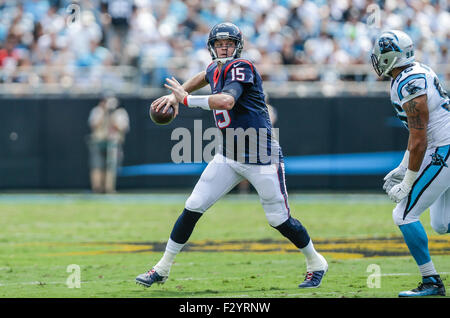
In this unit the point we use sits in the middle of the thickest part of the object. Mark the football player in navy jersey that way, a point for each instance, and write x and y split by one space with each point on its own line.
249 151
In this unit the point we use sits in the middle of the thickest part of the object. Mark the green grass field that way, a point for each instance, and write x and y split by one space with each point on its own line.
233 252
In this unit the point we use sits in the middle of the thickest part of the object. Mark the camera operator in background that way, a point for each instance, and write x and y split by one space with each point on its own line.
109 123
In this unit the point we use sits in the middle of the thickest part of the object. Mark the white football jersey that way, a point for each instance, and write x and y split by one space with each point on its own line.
417 80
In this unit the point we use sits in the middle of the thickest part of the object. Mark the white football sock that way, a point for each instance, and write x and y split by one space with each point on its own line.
427 269
164 265
314 261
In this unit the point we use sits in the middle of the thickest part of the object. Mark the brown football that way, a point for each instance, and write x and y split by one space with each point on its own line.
160 118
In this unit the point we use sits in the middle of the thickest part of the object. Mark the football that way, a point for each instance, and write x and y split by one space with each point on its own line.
161 118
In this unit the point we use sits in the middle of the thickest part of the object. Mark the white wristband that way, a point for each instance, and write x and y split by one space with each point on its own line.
201 101
405 160
410 178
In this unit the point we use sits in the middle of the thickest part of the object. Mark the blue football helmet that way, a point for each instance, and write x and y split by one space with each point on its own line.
229 31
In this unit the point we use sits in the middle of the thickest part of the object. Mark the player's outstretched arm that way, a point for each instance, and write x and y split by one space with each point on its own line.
195 83
417 113
207 102
221 101
191 85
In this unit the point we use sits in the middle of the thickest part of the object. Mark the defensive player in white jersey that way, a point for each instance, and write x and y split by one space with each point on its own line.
422 180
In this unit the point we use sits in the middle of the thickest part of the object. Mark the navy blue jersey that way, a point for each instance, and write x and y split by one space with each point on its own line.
246 128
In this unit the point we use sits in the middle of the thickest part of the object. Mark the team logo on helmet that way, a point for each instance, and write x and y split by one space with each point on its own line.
388 45
392 49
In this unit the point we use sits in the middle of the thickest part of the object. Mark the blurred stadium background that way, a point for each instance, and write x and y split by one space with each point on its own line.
336 124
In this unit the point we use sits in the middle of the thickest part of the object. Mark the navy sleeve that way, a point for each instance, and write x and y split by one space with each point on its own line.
234 89
238 74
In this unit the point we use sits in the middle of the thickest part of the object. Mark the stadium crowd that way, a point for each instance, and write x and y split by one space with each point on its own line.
67 41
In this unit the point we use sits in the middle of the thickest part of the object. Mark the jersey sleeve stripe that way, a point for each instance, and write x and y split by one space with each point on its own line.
216 76
410 97
398 107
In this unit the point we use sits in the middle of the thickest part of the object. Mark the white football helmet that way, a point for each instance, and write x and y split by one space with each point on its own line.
392 49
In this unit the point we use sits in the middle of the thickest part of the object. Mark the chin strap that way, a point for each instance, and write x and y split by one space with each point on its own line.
390 67
224 59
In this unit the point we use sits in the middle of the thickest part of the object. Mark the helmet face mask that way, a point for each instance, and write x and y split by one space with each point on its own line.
383 64
225 31
227 45
392 49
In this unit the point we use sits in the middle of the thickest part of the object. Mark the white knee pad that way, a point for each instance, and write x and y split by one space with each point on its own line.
267 190
397 216
273 201
276 218
276 210
440 213
196 203
398 213
439 227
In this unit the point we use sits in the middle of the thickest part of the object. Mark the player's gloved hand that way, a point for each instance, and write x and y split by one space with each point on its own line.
401 190
396 176
393 178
